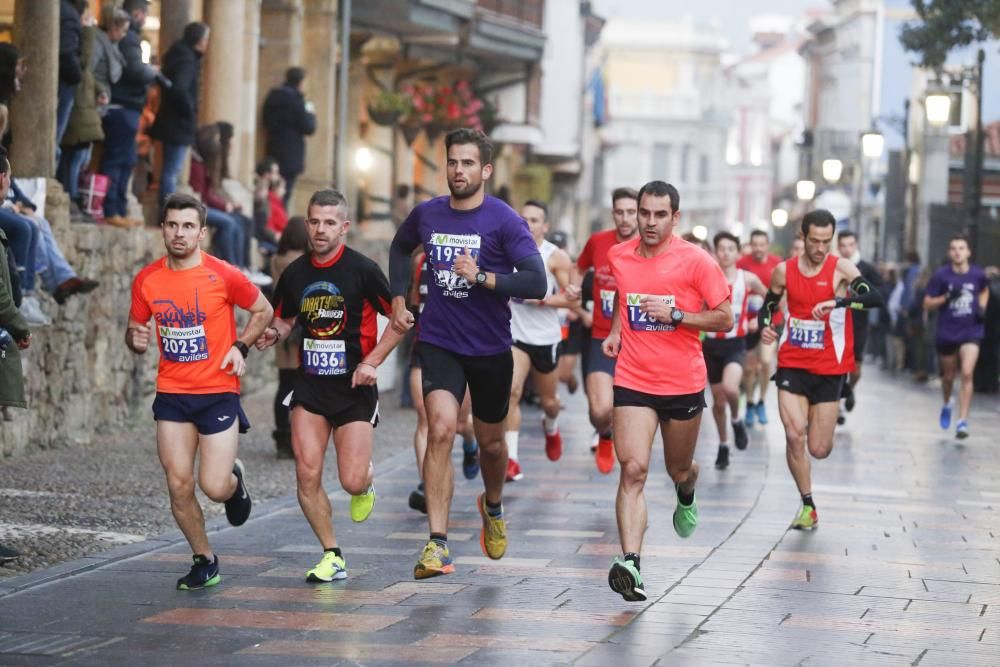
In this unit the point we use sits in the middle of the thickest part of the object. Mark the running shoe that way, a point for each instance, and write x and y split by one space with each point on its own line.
594 442
514 473
945 418
751 413
807 519
493 537
761 413
962 429
418 501
361 506
624 579
686 518
239 504
605 456
434 561
740 435
849 401
841 417
330 567
470 459
553 445
7 554
204 573
722 459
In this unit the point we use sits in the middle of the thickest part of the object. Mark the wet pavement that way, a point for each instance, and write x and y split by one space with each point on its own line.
904 568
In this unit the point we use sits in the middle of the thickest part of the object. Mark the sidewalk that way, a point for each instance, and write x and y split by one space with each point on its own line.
903 570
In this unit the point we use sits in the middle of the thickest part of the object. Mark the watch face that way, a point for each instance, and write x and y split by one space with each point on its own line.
676 315
480 277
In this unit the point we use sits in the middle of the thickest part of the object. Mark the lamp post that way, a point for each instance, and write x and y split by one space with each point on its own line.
872 145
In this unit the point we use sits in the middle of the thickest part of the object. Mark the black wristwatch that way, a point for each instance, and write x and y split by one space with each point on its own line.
676 316
242 347
481 278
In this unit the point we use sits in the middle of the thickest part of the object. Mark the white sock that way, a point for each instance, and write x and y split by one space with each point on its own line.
551 426
511 438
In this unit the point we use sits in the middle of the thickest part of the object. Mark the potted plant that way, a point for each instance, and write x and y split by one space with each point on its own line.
387 106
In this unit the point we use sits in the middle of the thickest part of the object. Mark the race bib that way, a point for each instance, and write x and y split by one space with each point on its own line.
324 357
183 345
806 334
442 251
640 321
608 303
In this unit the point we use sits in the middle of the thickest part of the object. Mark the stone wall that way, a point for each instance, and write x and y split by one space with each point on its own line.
80 378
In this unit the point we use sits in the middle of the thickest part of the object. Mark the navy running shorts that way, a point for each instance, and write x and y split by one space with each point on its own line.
210 413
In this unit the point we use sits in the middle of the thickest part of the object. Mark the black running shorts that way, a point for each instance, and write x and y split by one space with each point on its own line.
816 388
752 340
210 413
488 378
951 349
334 399
544 358
682 407
719 353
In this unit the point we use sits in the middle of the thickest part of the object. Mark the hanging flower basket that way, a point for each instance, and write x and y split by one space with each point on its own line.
384 118
388 106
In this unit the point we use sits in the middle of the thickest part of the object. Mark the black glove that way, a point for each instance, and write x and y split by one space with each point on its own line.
977 312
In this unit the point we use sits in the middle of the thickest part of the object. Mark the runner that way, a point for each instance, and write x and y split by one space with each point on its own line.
961 291
332 295
816 350
537 334
725 351
473 242
191 296
599 369
757 369
663 285
847 247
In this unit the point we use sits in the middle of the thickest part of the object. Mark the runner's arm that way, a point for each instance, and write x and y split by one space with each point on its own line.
401 266
772 301
261 313
719 318
755 284
528 282
562 267
137 335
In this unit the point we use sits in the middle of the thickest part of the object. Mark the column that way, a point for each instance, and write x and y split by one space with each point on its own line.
222 89
174 15
246 129
33 111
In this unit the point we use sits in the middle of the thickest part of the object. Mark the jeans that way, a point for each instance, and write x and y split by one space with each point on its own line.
120 127
289 187
70 165
49 260
173 161
67 95
230 239
23 236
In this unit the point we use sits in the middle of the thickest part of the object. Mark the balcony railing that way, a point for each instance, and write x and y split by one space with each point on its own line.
528 11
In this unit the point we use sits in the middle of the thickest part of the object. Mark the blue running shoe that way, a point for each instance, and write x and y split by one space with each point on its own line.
751 414
962 430
945 417
761 413
470 459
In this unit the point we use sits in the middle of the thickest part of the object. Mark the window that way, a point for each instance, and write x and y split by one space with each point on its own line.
685 159
661 162
703 165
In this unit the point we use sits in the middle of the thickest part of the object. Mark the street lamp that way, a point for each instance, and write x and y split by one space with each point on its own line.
872 144
805 190
779 217
364 160
938 107
832 169
700 232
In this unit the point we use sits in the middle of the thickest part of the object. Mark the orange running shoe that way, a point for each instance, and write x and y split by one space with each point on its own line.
605 456
553 445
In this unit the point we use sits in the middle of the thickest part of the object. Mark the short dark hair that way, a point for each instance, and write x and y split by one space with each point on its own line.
294 76
846 234
539 204
265 166
819 217
466 135
180 201
961 237
725 236
294 237
623 193
132 5
760 232
661 189
194 32
328 197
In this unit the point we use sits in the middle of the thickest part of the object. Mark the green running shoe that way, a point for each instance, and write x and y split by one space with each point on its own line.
204 573
807 519
361 506
624 579
434 561
686 518
329 568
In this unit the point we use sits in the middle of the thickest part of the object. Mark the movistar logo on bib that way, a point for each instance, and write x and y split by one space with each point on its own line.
442 251
640 321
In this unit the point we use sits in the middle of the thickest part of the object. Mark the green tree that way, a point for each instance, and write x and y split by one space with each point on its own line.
945 25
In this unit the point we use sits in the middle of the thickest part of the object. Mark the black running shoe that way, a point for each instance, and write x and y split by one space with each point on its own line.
841 418
848 397
204 573
470 459
418 501
7 554
238 506
740 435
722 460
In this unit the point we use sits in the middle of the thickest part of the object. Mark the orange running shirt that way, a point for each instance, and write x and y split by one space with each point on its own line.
194 321
657 357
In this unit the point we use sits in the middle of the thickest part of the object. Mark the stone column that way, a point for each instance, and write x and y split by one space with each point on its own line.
33 111
222 92
246 129
174 15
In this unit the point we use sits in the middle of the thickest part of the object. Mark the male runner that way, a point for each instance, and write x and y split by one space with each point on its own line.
191 296
757 373
816 347
473 243
333 294
847 247
961 291
537 333
725 351
599 369
667 291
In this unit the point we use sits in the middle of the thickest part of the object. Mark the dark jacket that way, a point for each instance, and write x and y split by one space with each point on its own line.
11 377
177 120
287 123
84 121
69 44
130 90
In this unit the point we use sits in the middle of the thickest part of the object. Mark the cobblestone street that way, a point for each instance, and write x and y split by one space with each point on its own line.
903 569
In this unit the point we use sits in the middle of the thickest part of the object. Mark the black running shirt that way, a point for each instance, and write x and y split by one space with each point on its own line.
335 304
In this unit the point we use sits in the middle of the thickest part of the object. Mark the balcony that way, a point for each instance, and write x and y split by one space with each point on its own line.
523 11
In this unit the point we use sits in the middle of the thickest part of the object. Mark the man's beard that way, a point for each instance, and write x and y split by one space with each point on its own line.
469 190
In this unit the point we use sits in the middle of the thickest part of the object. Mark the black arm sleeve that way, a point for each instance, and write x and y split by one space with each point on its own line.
400 266
766 312
528 282
861 296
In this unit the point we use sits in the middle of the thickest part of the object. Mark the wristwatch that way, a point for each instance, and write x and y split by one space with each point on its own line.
481 278
676 316
242 347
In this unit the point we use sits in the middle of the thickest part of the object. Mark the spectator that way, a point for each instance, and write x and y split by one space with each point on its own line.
294 243
11 70
70 67
177 120
121 122
288 119
84 127
265 174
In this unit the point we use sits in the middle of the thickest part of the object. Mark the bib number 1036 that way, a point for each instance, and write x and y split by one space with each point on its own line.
324 357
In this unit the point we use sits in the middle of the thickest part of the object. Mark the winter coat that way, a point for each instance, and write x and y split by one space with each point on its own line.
84 121
70 63
177 120
11 375
108 63
130 90
201 182
287 123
